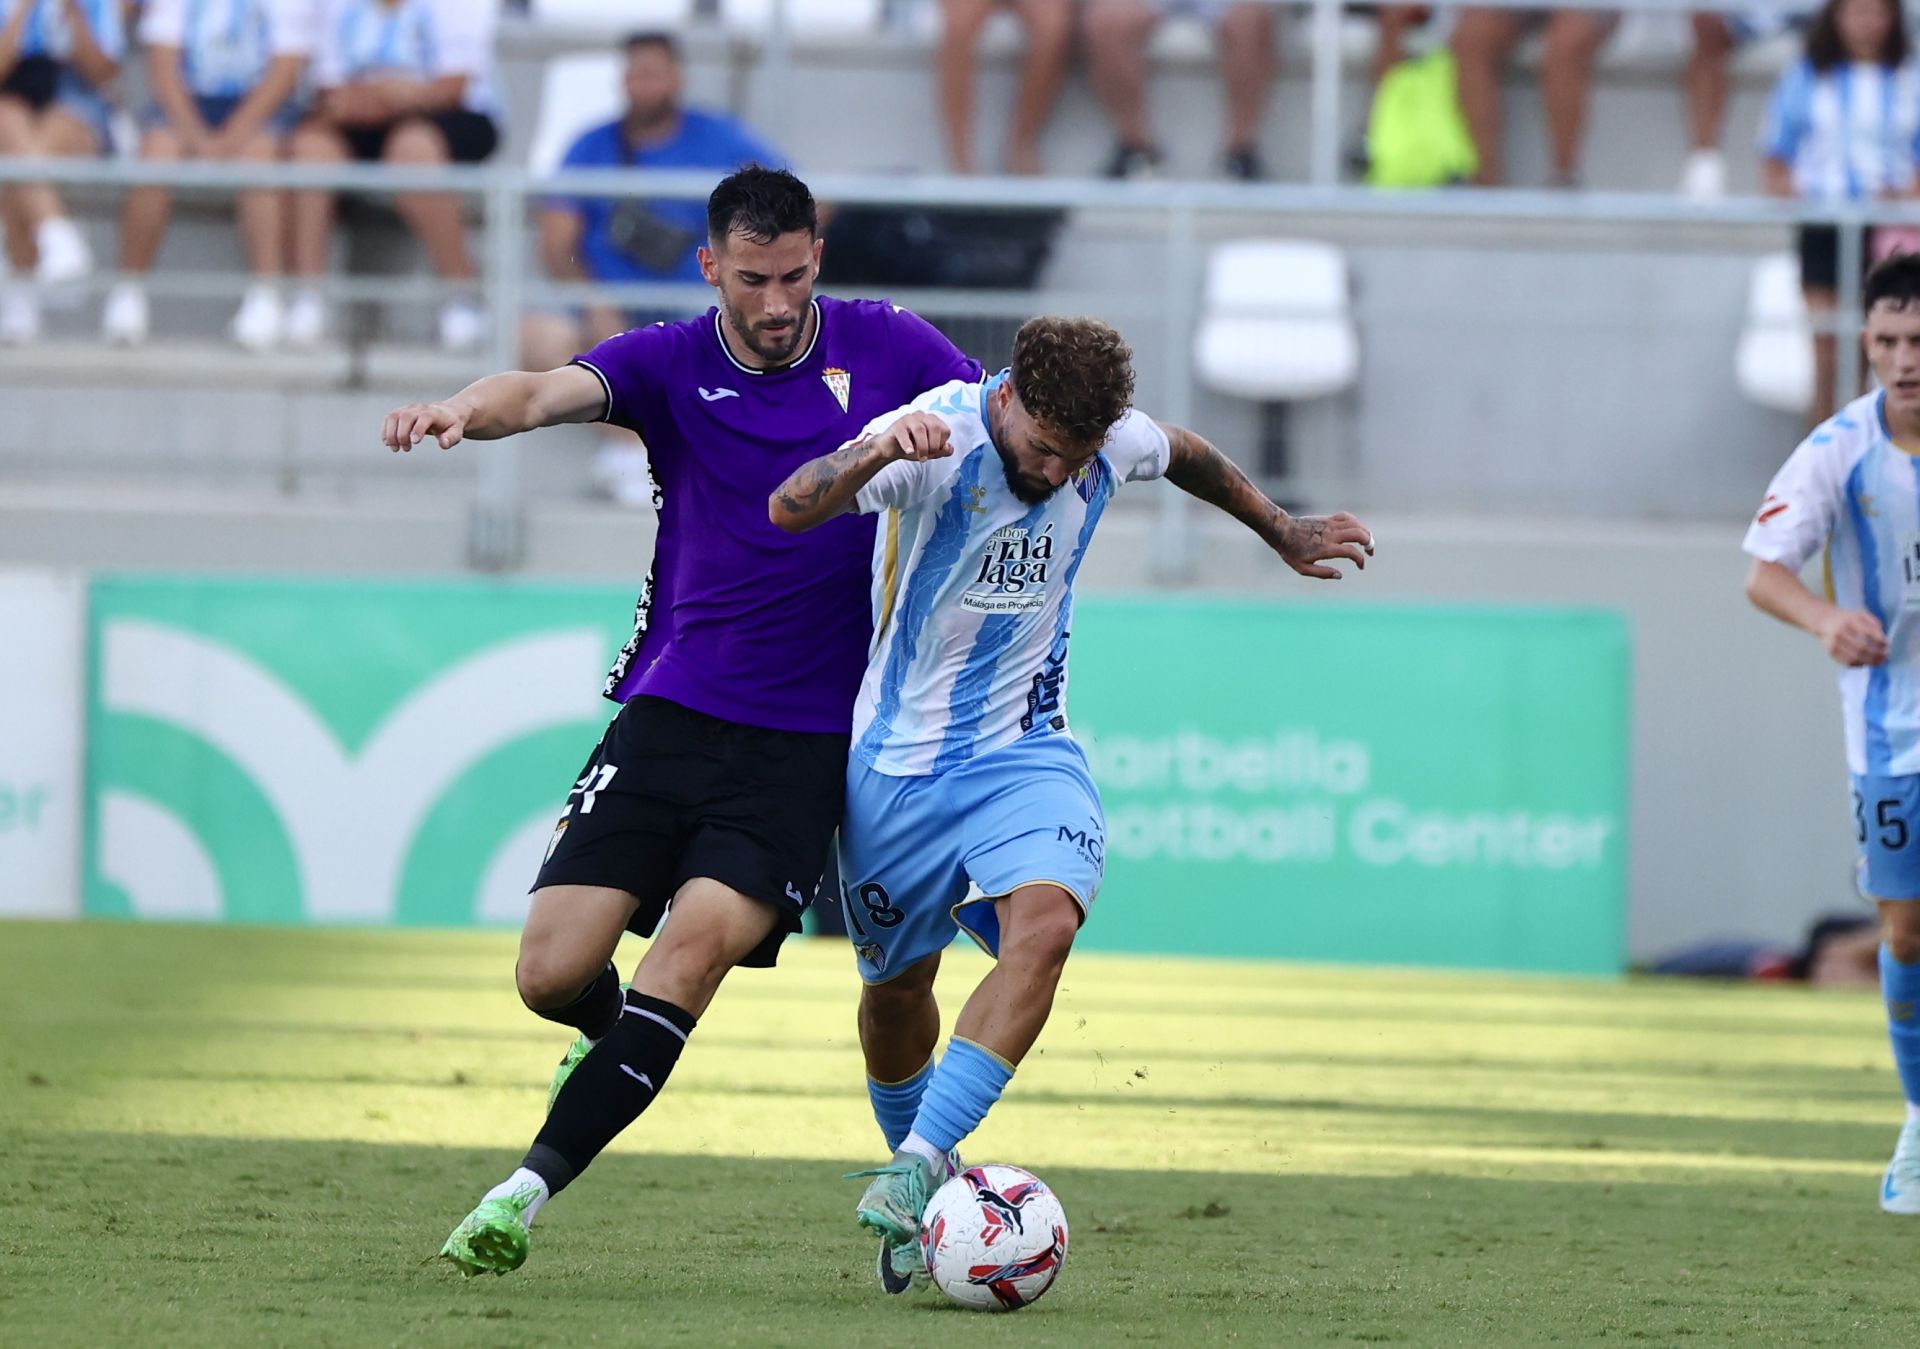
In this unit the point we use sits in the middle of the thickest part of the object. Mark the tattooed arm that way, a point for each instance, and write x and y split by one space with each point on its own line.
825 487
1304 543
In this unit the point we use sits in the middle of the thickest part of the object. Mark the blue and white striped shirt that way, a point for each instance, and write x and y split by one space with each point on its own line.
426 39
48 32
226 45
973 589
1851 133
1849 490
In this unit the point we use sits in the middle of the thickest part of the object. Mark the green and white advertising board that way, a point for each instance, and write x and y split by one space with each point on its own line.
1420 786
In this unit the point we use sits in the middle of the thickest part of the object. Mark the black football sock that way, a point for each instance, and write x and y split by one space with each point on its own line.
594 1011
610 1088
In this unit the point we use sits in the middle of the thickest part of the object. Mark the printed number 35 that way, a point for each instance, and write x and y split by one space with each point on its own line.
1893 829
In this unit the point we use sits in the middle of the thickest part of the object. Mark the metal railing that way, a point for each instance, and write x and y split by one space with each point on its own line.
1179 215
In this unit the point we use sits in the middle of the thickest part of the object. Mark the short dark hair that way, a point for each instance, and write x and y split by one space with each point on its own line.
1896 278
1825 51
761 203
1074 375
652 37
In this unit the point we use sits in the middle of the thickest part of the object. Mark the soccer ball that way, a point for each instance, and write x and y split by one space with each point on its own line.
994 1238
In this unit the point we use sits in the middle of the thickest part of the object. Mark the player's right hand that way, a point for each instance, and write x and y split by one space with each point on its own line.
1853 637
410 425
919 435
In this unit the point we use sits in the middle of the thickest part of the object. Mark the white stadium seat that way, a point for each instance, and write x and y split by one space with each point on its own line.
576 92
1774 360
621 15
806 19
1276 325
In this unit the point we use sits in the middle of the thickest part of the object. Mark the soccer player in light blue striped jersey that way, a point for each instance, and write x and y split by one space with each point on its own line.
962 768
1852 490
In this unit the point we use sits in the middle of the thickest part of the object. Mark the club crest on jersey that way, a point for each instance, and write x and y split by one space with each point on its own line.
1086 479
1013 572
840 383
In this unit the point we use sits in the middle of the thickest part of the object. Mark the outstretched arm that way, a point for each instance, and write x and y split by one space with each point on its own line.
1305 543
498 406
825 487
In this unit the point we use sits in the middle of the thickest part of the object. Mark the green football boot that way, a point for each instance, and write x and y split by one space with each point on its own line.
493 1238
891 1207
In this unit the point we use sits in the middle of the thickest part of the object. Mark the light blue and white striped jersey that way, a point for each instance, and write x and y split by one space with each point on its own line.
1850 490
1850 134
226 45
973 589
428 39
48 32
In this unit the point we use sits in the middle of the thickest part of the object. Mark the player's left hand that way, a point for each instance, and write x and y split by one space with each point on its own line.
1308 542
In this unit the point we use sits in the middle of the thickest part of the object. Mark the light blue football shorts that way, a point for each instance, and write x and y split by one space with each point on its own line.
1886 825
1025 813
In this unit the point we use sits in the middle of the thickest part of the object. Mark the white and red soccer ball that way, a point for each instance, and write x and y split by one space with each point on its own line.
994 1238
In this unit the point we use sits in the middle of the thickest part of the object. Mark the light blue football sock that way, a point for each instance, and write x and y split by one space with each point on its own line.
1900 987
964 1087
896 1103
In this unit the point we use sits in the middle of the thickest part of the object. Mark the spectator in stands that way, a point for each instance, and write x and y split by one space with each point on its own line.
1842 127
57 57
1049 27
1714 37
1117 32
1483 39
632 239
405 82
222 76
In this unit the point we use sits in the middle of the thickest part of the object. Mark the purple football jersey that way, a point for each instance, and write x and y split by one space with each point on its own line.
738 618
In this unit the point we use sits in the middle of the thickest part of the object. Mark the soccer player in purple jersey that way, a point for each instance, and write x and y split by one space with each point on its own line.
716 789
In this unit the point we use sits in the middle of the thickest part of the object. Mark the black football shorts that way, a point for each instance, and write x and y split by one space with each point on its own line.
671 794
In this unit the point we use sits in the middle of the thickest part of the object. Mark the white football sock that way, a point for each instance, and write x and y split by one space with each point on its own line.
517 1182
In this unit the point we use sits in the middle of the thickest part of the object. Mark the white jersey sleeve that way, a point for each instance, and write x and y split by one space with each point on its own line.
465 38
1137 448
291 27
907 482
1797 517
163 23
330 66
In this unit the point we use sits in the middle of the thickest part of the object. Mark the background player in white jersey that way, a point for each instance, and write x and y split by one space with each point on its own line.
962 767
1852 489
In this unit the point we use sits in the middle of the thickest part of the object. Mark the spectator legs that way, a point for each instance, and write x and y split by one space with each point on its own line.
1821 304
1247 66
262 216
314 143
144 213
1706 79
1566 79
1049 25
434 217
1116 34
1481 40
957 64
28 206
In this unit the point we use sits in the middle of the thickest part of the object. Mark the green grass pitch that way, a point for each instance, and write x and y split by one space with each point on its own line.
233 1136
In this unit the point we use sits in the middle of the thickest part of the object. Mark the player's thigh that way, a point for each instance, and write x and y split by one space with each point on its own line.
1886 829
709 929
764 820
569 936
1038 923
1032 817
900 872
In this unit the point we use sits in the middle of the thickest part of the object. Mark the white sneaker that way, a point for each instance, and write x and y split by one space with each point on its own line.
1705 176
64 255
124 321
305 324
1900 1191
621 471
463 325
257 323
19 314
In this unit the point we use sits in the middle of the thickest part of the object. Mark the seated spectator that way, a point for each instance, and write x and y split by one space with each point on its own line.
1049 26
222 76
630 239
400 82
56 59
1842 127
1716 36
1117 32
1482 41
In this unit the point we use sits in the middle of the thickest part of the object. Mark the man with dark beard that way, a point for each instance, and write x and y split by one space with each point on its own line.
631 239
717 786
